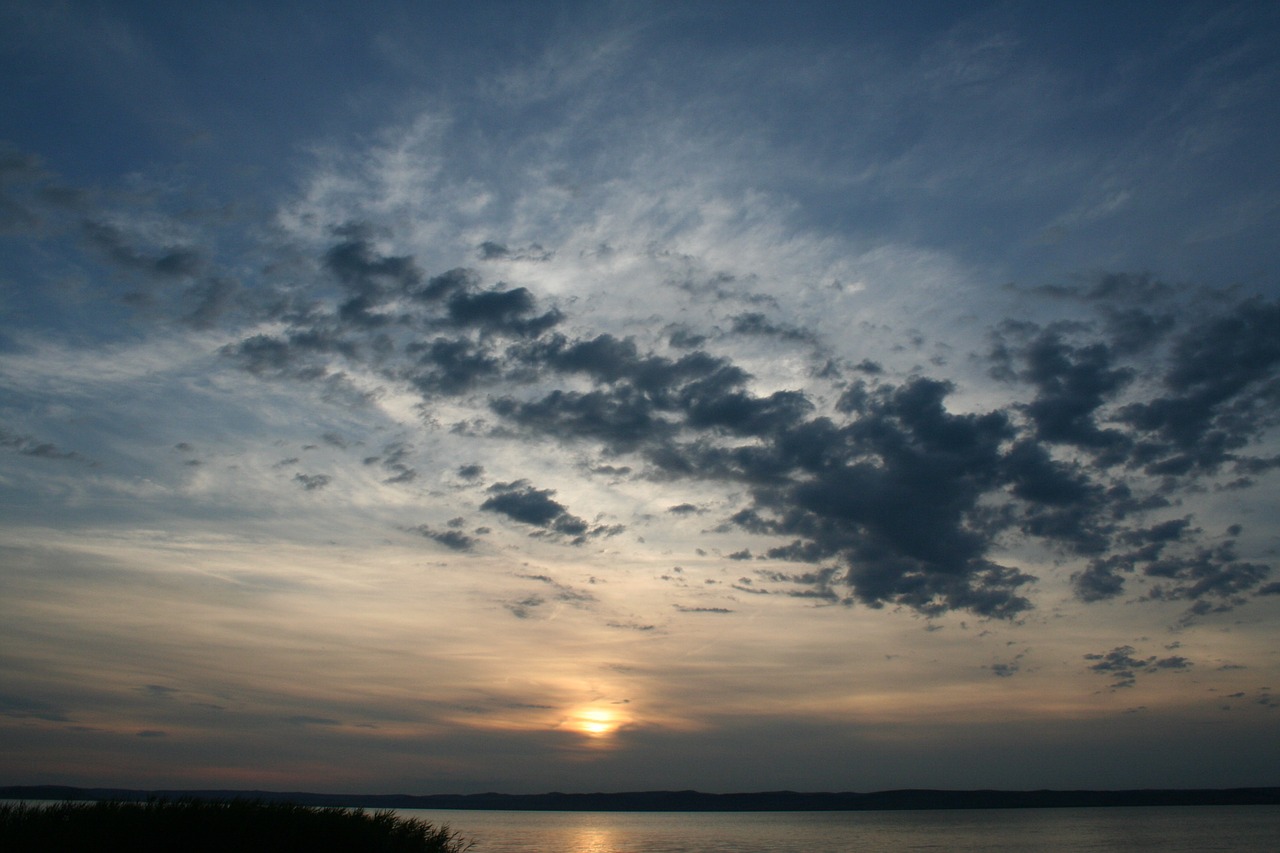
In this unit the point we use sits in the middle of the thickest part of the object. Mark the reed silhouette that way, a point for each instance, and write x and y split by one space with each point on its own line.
204 826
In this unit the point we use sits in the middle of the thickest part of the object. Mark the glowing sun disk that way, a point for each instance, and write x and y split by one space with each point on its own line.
596 721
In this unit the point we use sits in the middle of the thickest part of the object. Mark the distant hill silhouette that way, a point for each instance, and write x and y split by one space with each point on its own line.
692 801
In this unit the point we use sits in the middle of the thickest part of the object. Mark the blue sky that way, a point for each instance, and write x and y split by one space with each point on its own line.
461 397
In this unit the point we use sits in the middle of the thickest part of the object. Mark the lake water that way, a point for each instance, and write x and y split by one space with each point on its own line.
1179 829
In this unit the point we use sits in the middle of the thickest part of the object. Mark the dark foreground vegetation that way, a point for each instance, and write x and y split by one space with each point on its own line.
206 826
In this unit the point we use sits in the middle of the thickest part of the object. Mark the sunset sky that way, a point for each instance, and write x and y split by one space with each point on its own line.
603 396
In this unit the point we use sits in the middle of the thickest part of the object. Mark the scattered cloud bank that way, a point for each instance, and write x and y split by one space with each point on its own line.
629 385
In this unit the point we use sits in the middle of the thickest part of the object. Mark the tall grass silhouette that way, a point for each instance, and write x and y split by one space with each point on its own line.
205 826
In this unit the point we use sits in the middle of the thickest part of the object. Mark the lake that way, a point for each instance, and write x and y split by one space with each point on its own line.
1173 829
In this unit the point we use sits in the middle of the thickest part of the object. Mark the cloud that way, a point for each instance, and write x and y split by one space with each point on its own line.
453 539
312 482
393 461
1109 420
22 707
524 503
757 324
29 446
21 176
507 312
159 690
209 299
368 278
878 476
1072 383
1215 578
1007 669
308 720
731 302
535 507
168 262
525 607
1121 665
491 251
1219 392
564 592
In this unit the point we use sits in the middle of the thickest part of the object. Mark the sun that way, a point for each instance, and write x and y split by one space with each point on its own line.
596 722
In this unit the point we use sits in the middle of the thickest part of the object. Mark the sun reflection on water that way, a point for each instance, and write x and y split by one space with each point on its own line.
593 839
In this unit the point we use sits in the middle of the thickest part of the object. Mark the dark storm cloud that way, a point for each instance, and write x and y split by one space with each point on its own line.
896 495
1072 383
1214 572
440 334
622 419
369 279
535 507
522 502
451 366
1175 567
903 499
302 355
611 360
642 397
1221 389
456 280
685 338
510 312
797 551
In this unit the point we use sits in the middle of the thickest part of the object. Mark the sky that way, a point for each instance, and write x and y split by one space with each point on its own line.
460 397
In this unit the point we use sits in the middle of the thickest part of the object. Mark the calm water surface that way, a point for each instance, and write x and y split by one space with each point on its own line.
1180 829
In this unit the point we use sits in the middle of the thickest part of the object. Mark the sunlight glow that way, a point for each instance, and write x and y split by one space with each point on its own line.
596 722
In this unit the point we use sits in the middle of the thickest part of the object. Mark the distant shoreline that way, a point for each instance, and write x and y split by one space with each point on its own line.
689 801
